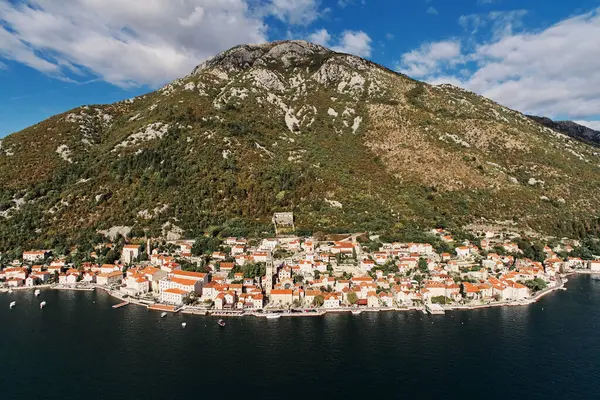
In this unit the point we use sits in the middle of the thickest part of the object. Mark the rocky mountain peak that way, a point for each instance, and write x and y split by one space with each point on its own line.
285 53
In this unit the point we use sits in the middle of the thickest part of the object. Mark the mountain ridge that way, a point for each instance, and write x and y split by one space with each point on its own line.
570 128
344 143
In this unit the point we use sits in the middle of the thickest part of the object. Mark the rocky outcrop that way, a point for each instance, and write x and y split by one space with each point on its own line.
287 53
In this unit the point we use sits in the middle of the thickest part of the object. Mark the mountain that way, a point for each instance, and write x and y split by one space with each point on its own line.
344 143
570 128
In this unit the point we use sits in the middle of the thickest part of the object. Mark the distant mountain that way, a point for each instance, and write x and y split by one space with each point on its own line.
571 128
345 144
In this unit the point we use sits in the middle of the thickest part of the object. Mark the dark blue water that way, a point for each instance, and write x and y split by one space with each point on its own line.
78 347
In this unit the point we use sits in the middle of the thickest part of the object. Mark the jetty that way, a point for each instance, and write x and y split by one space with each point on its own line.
434 309
162 307
123 304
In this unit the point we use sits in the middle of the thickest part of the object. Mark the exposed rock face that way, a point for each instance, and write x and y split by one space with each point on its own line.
246 56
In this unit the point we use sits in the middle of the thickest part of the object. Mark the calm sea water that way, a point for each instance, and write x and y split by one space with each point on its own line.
78 347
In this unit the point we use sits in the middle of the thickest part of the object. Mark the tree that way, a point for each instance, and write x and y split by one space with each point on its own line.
111 257
440 300
186 265
352 298
252 270
535 285
205 245
318 301
463 292
422 264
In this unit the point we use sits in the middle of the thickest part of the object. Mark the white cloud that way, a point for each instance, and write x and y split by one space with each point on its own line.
432 11
124 42
552 72
354 42
321 37
499 22
11 47
430 58
351 42
346 3
590 124
295 12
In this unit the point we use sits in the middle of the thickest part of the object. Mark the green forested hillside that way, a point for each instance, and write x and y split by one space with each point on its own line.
289 126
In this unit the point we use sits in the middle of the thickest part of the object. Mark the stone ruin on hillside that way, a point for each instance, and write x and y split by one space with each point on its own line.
284 222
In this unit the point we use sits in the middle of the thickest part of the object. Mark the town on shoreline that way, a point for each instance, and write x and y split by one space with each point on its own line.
291 275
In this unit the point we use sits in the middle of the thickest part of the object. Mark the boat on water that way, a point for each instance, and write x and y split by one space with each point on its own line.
356 312
42 304
37 292
12 304
273 316
163 315
221 322
10 290
183 324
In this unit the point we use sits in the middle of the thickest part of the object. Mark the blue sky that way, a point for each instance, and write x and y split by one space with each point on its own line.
536 56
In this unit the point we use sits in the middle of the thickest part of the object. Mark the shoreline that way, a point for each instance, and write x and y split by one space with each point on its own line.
315 312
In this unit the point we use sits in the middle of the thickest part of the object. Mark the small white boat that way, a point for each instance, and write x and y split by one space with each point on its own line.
356 312
10 291
12 304
37 292
163 315
221 323
42 304
183 324
273 316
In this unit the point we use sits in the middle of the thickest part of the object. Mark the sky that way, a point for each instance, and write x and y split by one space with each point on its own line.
536 56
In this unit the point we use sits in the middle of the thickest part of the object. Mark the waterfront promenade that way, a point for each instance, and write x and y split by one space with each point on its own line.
290 313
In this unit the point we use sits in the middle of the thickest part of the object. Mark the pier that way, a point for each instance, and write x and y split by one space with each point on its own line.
123 304
162 307
434 309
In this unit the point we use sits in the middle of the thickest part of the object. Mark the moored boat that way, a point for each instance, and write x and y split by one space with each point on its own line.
163 315
221 323
42 304
37 292
356 312
12 304
273 316
183 324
